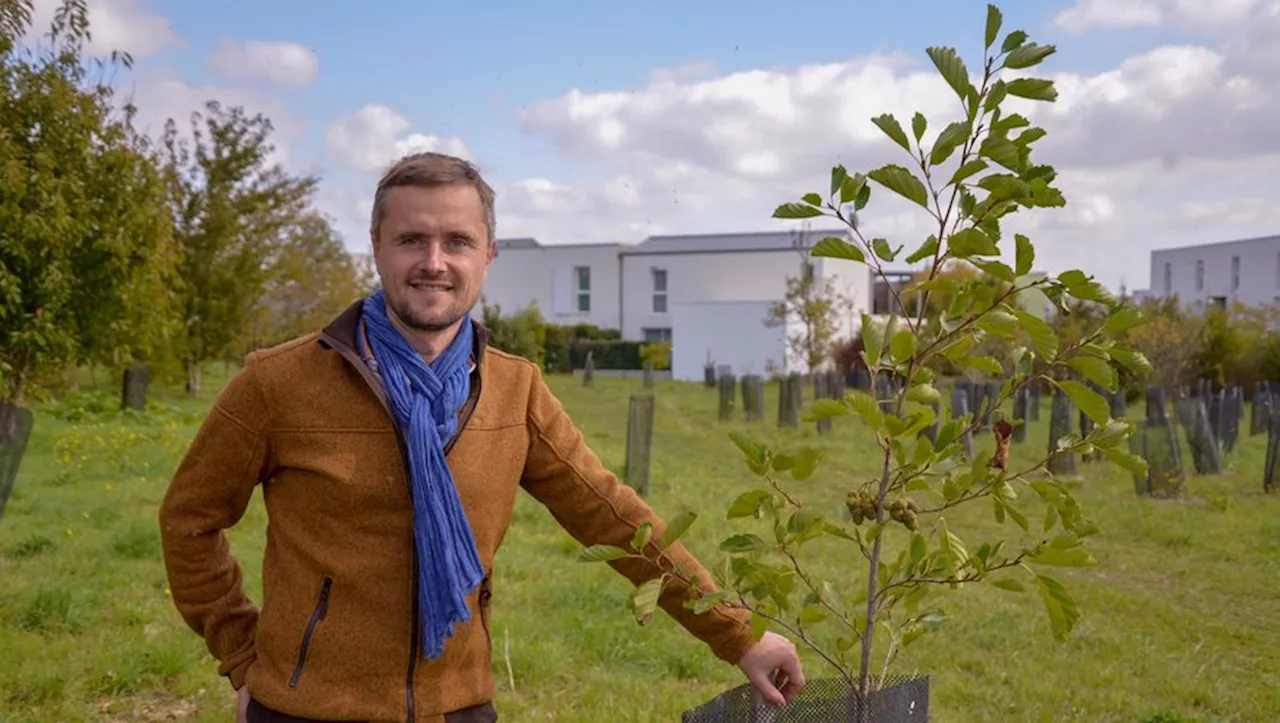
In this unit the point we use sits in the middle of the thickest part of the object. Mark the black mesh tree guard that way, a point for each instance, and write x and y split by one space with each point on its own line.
960 408
1061 464
728 387
1156 441
965 385
826 700
15 431
1035 390
1205 452
1232 411
1021 413
931 432
1271 470
753 397
1260 409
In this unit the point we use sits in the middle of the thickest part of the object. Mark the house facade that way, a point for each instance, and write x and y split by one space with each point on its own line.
1246 271
708 294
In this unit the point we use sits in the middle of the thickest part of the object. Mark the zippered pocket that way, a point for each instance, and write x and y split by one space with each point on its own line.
322 609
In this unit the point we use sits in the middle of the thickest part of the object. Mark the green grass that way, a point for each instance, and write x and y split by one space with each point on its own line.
1181 616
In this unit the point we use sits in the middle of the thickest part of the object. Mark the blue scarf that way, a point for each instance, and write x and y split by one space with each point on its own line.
426 399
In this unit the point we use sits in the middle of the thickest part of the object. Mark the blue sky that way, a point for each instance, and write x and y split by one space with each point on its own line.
1161 132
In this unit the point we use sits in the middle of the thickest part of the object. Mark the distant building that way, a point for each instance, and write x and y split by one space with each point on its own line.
1220 274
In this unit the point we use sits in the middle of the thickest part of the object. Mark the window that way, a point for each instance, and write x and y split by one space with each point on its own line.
1235 273
1200 275
583 276
1218 301
659 291
655 336
1168 278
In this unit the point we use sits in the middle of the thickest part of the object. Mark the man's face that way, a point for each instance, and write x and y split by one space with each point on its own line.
432 252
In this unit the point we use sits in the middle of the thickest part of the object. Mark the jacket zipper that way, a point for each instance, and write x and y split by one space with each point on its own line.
468 408
322 609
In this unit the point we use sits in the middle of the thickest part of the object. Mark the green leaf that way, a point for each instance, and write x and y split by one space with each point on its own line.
903 344
999 91
1122 319
853 187
645 599
951 138
998 322
998 269
742 543
919 124
1009 584
835 247
796 210
1062 609
919 547
883 250
901 181
748 503
887 123
1028 56
868 408
812 199
1087 400
929 248
977 165
806 463
1026 255
1042 336
1095 370
872 340
924 394
1013 40
677 527
987 364
602 553
994 18
838 176
759 624
827 408
1064 557
1130 462
1111 435
1132 359
643 533
952 69
1002 151
970 242
1033 89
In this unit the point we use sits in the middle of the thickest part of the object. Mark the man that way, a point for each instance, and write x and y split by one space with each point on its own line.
390 447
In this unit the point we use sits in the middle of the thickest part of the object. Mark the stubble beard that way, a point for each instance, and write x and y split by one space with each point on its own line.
412 319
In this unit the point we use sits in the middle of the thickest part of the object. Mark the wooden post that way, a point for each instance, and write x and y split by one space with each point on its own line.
753 397
640 442
134 394
789 391
1060 464
648 375
589 370
15 432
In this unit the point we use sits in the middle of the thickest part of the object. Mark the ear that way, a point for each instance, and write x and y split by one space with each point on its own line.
492 252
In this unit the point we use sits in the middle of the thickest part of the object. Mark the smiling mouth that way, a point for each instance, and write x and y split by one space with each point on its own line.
430 288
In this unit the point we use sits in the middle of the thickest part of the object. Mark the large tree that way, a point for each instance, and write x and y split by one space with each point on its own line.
232 209
85 237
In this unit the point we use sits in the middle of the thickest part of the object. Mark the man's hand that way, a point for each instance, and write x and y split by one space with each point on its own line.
242 704
773 667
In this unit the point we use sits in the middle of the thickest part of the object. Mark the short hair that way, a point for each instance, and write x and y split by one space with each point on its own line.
426 170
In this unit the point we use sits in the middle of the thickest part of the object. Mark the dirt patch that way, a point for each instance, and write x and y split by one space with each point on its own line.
152 708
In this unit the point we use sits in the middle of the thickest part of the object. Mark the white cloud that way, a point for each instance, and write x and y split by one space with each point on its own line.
126 25
276 61
1195 15
374 136
1151 153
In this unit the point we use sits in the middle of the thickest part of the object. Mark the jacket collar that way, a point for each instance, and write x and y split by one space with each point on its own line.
344 332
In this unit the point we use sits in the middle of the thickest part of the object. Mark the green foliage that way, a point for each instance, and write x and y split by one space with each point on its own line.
607 354
522 333
656 354
814 306
901 550
87 249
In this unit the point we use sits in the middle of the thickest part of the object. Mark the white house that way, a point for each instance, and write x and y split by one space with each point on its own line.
1223 273
708 294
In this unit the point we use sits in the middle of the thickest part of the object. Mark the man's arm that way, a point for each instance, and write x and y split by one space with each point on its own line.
589 501
209 494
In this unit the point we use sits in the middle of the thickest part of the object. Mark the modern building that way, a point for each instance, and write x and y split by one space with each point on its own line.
1246 271
709 294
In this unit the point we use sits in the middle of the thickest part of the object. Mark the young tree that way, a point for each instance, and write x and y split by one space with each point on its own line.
85 236
1170 340
816 306
231 210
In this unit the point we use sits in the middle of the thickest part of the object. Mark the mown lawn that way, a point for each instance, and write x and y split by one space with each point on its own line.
1181 616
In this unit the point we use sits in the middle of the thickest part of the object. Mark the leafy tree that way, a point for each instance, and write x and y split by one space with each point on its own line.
897 537
86 240
523 333
232 209
310 278
1170 340
815 305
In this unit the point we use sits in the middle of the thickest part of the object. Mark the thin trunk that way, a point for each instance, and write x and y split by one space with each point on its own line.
193 378
19 386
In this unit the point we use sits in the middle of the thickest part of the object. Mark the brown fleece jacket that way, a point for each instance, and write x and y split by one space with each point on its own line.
336 635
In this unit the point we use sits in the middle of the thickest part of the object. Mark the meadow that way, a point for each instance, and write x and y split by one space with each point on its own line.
1181 617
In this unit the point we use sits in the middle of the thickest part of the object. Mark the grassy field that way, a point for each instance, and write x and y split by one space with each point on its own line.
1181 616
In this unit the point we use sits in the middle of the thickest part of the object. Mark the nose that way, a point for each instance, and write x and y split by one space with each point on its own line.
434 261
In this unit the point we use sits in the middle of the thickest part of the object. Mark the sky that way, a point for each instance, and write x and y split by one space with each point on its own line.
610 122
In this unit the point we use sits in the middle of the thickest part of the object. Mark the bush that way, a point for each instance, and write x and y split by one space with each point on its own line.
522 333
608 354
658 354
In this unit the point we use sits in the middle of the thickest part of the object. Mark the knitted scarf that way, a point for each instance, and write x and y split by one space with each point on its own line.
426 399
